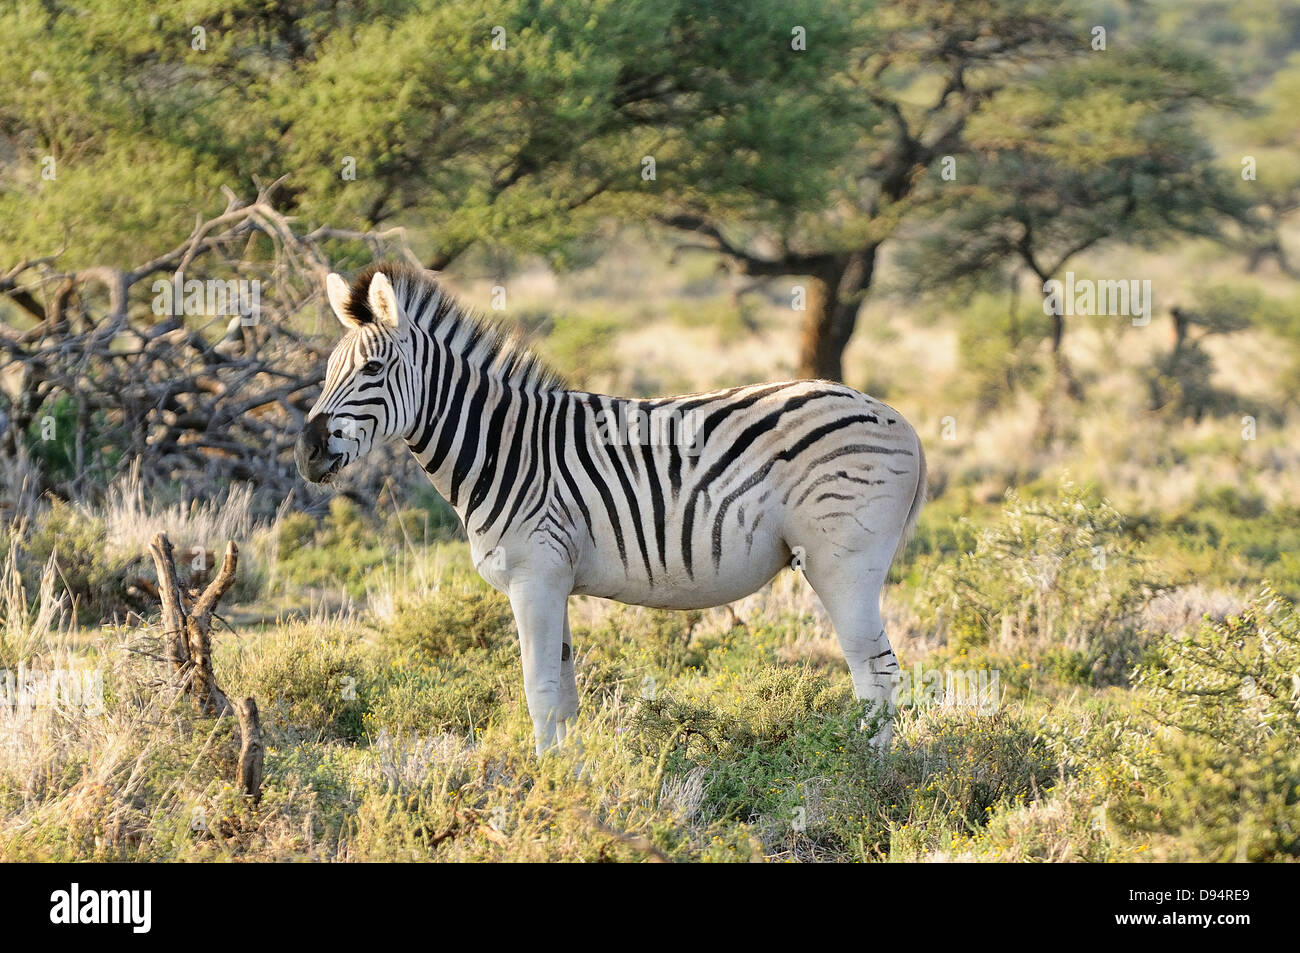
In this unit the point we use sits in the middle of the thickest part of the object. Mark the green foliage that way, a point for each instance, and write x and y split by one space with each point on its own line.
998 346
1100 148
395 107
661 642
52 440
344 526
1229 536
465 692
582 347
93 580
335 552
452 621
1205 768
1057 570
310 684
296 530
792 754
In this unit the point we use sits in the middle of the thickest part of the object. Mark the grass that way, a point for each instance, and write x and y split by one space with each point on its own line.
403 735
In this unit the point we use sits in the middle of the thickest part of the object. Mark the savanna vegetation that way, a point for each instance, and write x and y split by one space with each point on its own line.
1097 617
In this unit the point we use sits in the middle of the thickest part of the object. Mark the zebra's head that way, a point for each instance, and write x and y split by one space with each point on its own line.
368 391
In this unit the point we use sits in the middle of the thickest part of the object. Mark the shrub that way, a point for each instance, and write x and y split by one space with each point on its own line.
295 531
78 543
1054 571
999 348
1217 747
310 682
792 756
662 642
453 620
345 525
458 694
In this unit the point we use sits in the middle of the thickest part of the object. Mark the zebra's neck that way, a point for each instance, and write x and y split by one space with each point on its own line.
482 421
479 436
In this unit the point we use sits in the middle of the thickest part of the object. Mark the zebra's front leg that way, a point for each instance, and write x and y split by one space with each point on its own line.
568 682
540 610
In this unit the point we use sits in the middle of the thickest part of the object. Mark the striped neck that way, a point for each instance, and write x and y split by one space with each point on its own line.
478 432
482 397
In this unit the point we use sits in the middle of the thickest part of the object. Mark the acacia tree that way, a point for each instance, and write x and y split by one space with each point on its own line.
812 182
1106 149
121 118
792 138
470 121
1270 142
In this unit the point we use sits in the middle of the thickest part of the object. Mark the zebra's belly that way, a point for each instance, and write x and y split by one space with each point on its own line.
735 577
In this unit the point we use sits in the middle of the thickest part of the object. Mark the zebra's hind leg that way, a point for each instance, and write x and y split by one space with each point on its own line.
540 613
849 587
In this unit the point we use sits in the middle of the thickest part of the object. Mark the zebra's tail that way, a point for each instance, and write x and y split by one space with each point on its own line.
918 501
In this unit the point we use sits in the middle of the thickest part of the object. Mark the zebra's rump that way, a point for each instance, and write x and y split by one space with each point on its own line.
704 497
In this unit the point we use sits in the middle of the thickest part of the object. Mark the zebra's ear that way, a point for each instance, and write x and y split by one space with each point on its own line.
383 300
337 288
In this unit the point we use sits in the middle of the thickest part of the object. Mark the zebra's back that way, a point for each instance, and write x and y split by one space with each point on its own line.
698 500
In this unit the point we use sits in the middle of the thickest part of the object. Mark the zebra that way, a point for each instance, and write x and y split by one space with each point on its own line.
681 502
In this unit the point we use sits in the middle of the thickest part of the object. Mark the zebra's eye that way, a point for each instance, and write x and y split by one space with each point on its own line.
372 367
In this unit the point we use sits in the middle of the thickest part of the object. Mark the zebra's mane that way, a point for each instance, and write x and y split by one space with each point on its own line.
487 344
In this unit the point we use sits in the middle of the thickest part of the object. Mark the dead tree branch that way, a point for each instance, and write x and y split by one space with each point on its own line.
201 361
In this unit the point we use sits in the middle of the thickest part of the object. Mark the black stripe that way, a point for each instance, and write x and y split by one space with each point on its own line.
633 507
488 472
536 452
468 451
588 464
734 453
833 455
715 419
421 443
561 420
450 420
674 466
656 503
825 478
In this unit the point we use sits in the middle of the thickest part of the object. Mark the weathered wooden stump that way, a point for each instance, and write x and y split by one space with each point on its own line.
187 622
248 778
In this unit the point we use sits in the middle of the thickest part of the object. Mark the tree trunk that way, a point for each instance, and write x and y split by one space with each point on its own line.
1066 383
834 299
1058 413
187 628
187 623
1181 324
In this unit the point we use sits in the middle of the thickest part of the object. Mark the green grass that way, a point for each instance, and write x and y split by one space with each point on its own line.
701 738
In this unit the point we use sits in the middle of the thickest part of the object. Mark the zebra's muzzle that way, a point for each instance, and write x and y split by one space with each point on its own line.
312 453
